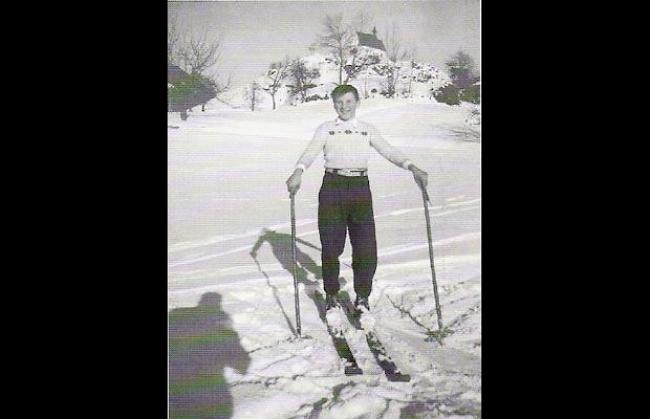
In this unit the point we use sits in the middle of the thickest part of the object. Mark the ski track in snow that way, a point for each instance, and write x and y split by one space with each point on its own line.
216 240
290 377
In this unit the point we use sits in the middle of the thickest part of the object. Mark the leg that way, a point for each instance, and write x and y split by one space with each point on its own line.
361 224
332 230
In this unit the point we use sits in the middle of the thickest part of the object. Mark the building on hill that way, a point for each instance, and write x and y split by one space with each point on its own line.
370 40
368 52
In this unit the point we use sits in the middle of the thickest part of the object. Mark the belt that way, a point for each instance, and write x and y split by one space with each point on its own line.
348 172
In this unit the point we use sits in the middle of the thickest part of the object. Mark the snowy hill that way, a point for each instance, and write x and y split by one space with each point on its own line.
370 81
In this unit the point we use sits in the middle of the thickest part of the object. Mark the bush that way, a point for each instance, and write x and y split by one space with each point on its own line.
471 94
316 97
388 93
449 94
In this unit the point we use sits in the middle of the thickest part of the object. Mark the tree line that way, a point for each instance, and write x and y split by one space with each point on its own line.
199 56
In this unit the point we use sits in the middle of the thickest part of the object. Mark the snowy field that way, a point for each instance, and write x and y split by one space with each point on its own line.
227 197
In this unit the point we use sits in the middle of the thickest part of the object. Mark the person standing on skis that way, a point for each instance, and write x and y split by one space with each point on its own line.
345 199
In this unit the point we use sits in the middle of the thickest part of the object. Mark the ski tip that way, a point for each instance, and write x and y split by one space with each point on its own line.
399 377
353 370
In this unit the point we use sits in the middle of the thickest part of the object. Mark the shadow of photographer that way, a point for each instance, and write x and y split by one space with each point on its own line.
201 344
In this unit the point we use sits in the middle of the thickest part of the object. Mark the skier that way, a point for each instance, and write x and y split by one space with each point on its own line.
345 199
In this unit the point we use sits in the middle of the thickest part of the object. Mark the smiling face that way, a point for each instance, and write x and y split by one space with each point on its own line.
346 106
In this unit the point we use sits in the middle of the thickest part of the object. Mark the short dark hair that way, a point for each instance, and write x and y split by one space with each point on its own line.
343 89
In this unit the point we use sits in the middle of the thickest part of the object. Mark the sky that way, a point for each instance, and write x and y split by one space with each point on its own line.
257 33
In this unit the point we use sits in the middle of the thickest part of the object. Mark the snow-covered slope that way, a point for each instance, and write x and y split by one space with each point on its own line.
227 197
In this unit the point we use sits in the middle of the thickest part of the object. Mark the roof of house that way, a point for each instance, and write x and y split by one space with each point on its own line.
370 40
175 74
190 91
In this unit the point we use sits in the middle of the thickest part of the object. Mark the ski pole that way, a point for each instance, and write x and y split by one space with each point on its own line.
425 199
293 251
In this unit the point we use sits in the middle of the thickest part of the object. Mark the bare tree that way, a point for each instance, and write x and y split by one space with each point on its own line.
276 74
201 53
216 85
338 38
253 95
221 86
393 43
197 55
390 81
173 39
361 60
224 86
302 78
409 55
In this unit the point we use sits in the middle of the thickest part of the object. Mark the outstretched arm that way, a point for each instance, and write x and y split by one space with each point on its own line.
395 156
390 153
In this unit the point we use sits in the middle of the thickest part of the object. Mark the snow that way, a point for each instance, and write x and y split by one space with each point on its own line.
227 196
368 320
336 321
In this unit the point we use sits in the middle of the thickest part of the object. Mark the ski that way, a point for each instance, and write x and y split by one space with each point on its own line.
341 345
376 347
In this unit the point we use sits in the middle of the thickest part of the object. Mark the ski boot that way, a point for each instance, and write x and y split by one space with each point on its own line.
331 302
361 305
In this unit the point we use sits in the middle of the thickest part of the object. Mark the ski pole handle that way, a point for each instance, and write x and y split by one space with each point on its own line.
425 194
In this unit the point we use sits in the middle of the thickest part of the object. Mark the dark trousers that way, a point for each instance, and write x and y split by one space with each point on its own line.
345 203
